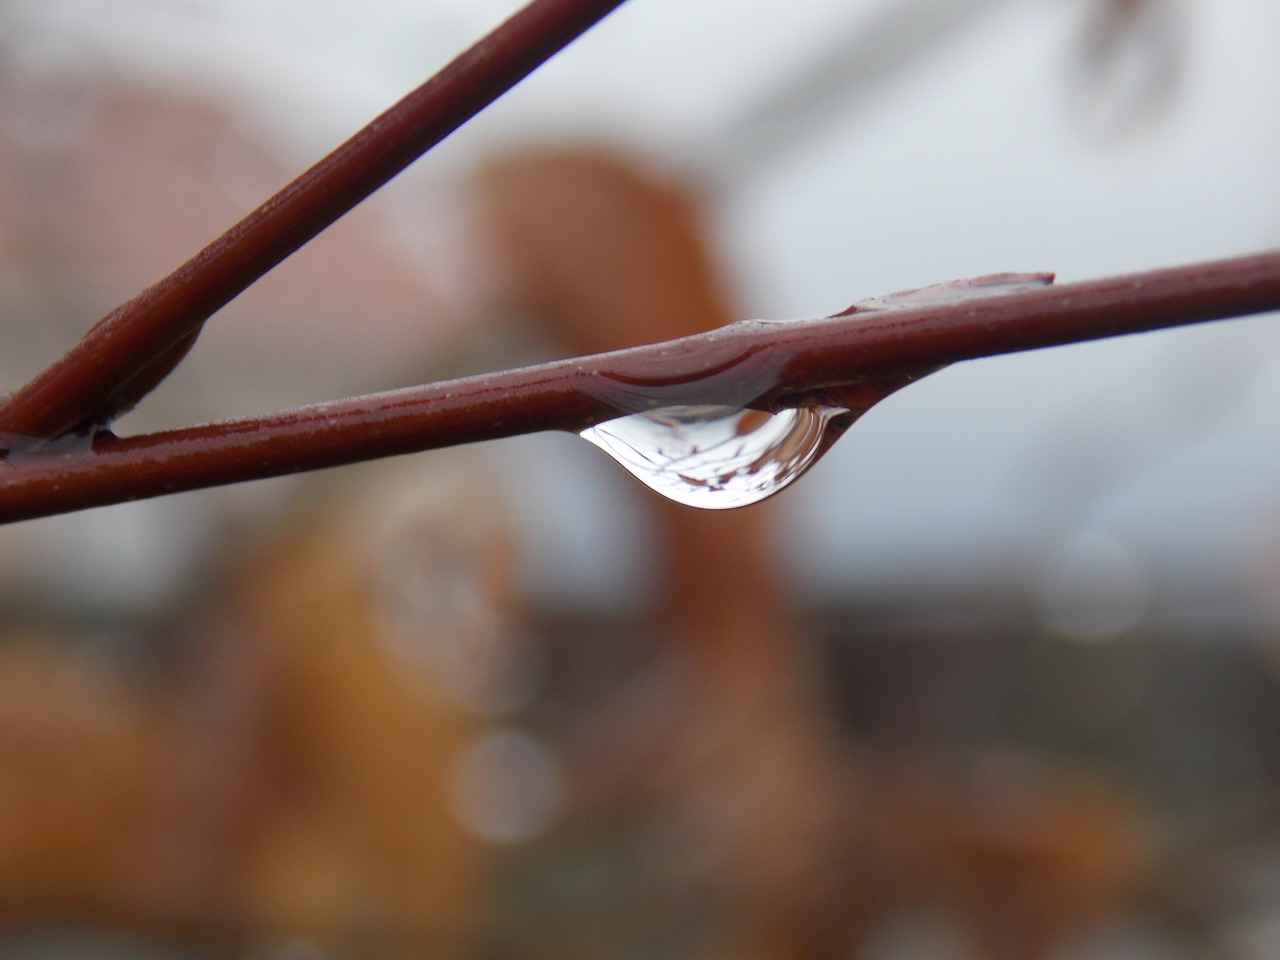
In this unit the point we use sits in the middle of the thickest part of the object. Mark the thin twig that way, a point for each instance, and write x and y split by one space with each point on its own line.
751 363
129 351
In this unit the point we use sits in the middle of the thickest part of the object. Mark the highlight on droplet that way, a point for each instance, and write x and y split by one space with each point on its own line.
718 457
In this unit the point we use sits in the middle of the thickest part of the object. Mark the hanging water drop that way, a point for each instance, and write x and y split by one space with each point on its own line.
717 457
721 456
17 449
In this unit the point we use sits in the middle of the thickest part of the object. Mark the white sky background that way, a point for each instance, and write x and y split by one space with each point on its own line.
975 160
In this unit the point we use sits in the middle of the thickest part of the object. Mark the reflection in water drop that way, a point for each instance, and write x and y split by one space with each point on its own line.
718 457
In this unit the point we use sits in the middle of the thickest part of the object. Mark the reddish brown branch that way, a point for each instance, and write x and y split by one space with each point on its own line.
753 363
131 349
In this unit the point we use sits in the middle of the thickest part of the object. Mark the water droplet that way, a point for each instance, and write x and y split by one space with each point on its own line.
717 457
953 291
17 448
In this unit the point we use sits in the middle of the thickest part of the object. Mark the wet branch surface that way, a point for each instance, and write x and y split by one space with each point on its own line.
841 360
762 364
